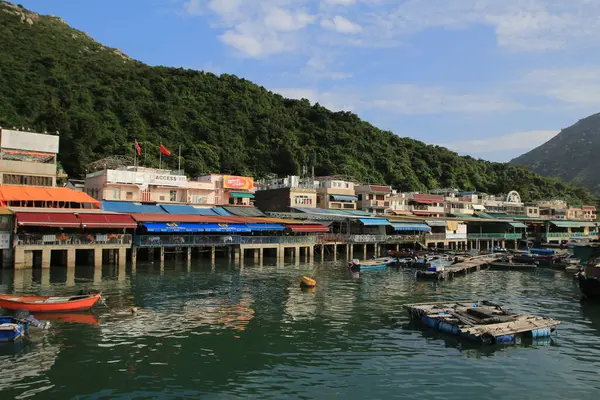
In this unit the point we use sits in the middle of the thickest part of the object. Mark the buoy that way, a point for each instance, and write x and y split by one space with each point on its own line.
133 310
307 282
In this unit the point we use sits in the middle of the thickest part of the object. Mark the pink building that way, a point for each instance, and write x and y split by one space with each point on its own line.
164 186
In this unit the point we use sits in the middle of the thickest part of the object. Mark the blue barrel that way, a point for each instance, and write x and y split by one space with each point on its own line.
430 322
505 339
541 332
448 328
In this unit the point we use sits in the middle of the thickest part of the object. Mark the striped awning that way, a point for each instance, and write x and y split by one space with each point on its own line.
436 223
572 224
340 197
517 225
399 226
171 227
266 227
375 222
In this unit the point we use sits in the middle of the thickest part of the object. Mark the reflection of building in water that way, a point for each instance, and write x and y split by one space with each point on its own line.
211 312
20 367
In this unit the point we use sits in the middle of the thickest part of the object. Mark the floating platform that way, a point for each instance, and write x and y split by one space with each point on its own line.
505 265
481 321
459 269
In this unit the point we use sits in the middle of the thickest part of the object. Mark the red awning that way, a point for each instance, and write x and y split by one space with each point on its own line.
107 221
60 220
308 228
426 201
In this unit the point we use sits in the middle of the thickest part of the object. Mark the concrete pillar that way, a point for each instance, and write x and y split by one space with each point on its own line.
97 258
261 255
134 251
256 255
162 255
150 254
377 250
46 258
242 256
212 255
347 252
229 254
45 278
236 254
351 251
70 277
97 275
19 258
311 254
297 255
322 249
365 251
122 273
334 252
122 256
398 247
516 244
504 244
71 258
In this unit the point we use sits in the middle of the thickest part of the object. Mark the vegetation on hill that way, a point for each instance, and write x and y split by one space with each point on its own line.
56 78
571 155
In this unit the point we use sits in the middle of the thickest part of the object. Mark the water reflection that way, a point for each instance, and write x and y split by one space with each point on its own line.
254 332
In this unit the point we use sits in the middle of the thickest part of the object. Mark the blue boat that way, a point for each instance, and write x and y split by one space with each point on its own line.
12 329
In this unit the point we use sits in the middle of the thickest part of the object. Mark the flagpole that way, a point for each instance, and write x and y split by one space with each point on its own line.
179 160
159 158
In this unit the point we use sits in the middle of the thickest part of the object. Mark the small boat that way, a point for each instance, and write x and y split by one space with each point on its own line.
434 271
504 265
371 265
305 281
572 269
40 304
14 328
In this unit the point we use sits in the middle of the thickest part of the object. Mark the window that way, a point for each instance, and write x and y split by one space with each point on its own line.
162 198
303 200
129 195
173 195
117 193
360 197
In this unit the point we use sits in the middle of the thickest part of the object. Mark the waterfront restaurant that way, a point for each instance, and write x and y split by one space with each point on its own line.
374 198
426 205
335 194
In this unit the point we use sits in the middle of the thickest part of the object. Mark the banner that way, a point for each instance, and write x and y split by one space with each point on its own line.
237 182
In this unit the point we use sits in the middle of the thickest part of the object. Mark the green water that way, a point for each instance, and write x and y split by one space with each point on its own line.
228 333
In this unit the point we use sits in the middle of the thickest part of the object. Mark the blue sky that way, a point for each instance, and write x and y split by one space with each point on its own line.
489 78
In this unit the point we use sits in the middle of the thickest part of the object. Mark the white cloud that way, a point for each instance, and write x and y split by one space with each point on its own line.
576 86
339 2
281 20
523 141
341 25
406 99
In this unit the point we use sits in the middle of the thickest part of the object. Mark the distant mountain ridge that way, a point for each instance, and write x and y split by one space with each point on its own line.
573 155
56 78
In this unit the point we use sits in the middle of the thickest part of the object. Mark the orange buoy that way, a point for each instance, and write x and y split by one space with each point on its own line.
305 281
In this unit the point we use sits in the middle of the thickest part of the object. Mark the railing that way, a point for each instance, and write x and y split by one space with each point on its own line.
476 236
223 240
436 236
341 238
67 239
572 234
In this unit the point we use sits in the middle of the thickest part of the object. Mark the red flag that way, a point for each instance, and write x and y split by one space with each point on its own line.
138 148
164 150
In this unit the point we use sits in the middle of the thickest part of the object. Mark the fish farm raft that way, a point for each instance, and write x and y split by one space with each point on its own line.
481 321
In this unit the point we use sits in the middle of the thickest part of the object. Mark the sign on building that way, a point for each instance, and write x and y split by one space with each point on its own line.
237 182
5 240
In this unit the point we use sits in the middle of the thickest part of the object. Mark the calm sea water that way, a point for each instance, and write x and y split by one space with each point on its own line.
223 332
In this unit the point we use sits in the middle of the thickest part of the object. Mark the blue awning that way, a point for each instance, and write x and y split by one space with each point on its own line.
225 228
173 227
410 227
266 227
375 221
340 197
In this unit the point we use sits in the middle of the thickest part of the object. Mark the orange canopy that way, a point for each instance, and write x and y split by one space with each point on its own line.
32 193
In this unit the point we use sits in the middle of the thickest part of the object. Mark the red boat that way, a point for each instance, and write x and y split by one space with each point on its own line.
37 304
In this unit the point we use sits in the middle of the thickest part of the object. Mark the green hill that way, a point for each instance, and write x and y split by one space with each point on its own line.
54 77
571 155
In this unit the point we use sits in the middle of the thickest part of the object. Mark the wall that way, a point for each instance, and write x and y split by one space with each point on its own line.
30 141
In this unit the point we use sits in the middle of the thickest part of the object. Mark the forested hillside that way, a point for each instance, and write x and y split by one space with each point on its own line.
56 78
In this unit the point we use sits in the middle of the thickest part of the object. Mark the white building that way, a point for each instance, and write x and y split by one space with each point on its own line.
28 159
